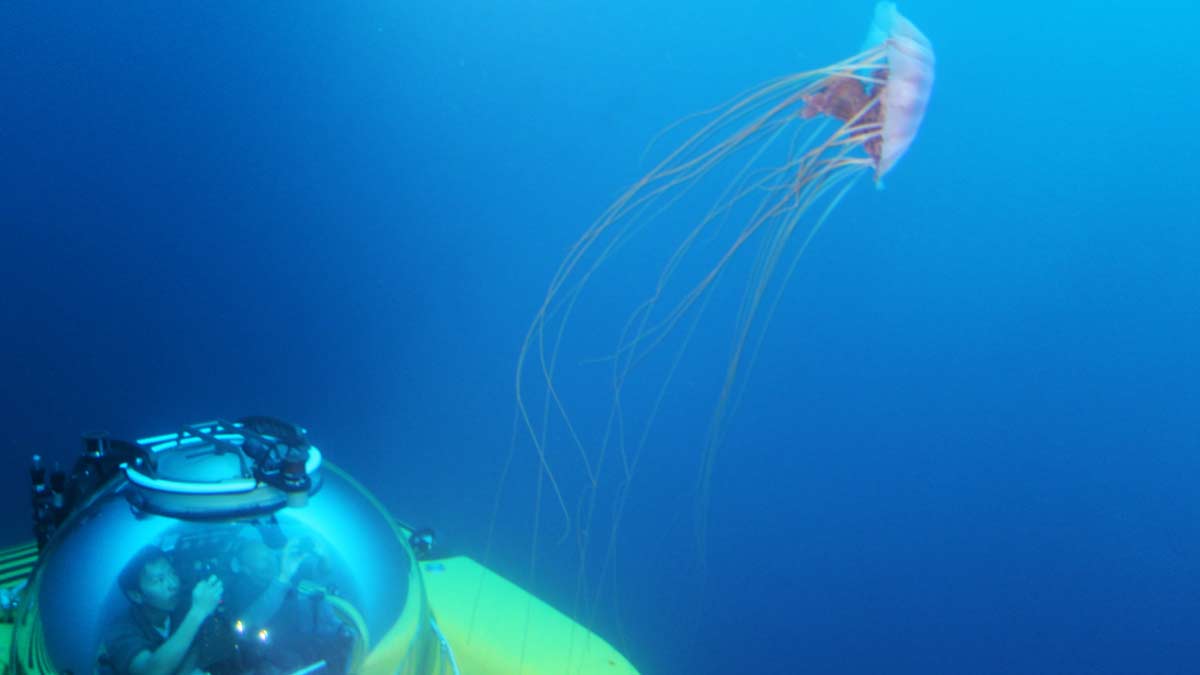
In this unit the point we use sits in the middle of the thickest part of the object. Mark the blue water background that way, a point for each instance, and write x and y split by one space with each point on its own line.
971 441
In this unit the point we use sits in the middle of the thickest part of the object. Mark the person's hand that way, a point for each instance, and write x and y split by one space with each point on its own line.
206 596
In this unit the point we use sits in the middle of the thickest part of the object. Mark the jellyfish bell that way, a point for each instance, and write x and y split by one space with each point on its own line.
909 82
886 105
737 203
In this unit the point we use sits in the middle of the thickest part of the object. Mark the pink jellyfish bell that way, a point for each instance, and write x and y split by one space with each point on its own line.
884 107
909 82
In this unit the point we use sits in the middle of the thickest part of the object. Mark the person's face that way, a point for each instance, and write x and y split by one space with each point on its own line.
158 587
259 561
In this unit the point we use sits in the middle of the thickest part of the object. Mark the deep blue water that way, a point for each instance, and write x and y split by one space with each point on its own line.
971 438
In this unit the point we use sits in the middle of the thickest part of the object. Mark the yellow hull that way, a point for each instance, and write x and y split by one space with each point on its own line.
16 563
497 628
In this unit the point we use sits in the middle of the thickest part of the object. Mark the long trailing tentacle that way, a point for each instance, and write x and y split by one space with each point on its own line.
819 171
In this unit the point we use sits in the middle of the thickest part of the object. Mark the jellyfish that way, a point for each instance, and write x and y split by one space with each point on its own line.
737 203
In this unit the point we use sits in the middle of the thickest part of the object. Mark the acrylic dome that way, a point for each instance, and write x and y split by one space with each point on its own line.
202 499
